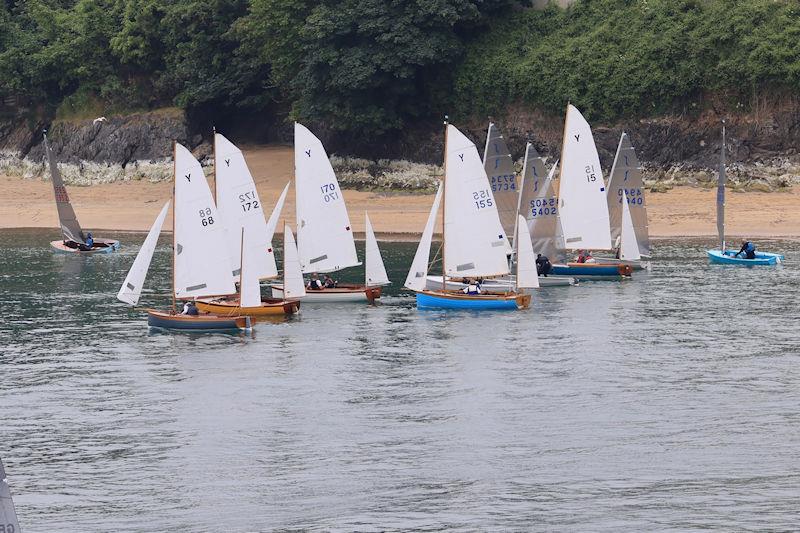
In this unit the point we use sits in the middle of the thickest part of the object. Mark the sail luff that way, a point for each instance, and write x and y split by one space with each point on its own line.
375 271
70 227
131 289
722 179
418 273
8 514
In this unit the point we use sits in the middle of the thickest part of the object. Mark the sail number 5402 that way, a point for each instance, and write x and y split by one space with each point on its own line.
482 199
329 192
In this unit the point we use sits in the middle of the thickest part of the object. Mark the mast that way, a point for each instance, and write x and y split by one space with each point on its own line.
519 194
721 193
174 208
214 152
444 190
486 147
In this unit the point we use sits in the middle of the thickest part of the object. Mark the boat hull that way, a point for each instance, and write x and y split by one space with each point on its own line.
635 265
230 307
455 300
158 319
340 294
593 271
434 283
727 258
110 246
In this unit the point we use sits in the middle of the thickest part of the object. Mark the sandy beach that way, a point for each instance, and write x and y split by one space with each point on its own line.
132 206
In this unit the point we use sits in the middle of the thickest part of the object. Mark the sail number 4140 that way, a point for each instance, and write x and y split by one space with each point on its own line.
329 192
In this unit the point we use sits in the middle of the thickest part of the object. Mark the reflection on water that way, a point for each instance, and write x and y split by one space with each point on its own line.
666 402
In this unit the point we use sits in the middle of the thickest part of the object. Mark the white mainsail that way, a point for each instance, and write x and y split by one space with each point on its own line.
539 205
527 275
475 244
324 235
240 208
131 288
8 515
629 249
272 223
293 286
418 274
249 286
499 166
202 263
375 269
582 194
626 183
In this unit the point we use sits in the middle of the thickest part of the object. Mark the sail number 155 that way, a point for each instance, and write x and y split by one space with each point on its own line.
482 199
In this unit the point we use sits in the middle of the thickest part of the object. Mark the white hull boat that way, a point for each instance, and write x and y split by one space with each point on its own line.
497 284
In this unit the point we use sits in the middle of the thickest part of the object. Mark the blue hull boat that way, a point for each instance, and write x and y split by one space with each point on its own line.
157 319
728 257
476 302
592 271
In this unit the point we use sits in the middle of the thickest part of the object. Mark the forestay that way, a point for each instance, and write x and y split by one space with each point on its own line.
70 228
240 208
375 269
131 289
629 248
721 194
474 241
417 275
626 183
527 275
539 205
499 166
202 264
249 287
293 286
324 235
582 194
8 515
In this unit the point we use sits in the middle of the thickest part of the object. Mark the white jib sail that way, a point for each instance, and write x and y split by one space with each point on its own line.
375 269
629 247
475 244
249 286
582 194
293 286
131 288
417 275
324 235
8 515
272 223
527 275
240 208
626 183
202 263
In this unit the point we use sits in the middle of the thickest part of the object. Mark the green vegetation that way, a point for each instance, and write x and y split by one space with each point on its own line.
370 67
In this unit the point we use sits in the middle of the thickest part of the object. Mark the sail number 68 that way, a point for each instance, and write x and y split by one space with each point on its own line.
205 216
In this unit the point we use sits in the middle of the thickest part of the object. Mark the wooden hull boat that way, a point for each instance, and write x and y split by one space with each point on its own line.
505 284
101 246
728 258
230 307
341 294
593 271
458 300
203 322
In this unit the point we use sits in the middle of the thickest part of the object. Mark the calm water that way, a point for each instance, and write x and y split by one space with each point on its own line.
667 402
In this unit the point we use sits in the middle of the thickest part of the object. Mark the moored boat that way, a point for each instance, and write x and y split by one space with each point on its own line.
73 240
593 271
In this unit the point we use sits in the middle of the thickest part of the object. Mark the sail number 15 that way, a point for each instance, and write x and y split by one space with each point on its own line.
591 175
329 192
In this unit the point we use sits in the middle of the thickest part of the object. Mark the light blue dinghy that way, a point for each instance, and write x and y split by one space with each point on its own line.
723 255
728 257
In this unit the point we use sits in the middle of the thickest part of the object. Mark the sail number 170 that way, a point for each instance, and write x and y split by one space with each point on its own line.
329 192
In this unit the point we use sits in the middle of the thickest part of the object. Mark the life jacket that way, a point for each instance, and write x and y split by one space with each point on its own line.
749 247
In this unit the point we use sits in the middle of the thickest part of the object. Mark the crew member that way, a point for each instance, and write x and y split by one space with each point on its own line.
748 249
543 265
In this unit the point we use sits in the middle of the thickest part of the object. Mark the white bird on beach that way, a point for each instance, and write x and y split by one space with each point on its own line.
98 119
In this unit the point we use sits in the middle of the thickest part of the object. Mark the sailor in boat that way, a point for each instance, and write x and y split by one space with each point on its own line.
88 245
189 308
543 265
474 287
314 283
584 256
328 282
748 249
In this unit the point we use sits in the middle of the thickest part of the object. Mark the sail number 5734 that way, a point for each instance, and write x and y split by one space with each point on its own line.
329 192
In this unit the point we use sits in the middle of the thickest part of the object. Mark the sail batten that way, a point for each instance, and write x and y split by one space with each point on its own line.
626 184
131 289
471 222
70 227
323 225
582 194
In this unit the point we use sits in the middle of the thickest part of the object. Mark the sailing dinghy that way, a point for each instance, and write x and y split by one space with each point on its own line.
324 236
73 239
248 234
723 255
473 241
582 202
200 263
8 515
